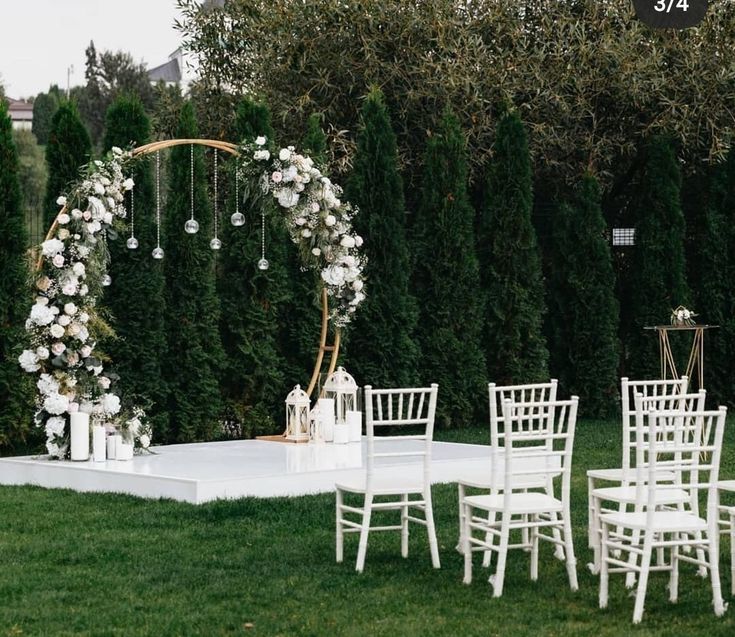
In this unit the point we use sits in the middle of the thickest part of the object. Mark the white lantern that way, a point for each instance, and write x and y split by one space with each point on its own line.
297 414
343 389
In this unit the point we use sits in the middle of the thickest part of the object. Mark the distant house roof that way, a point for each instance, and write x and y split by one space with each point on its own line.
168 72
20 111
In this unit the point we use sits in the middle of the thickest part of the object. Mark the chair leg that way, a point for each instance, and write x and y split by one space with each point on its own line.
364 531
592 541
674 577
339 549
732 553
431 530
404 525
569 550
593 536
487 556
534 549
460 497
635 538
466 547
640 597
604 575
713 549
498 579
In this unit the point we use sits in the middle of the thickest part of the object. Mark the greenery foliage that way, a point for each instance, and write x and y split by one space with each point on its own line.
194 360
447 279
589 78
585 313
513 341
15 394
32 178
382 338
253 380
657 280
136 297
44 108
68 149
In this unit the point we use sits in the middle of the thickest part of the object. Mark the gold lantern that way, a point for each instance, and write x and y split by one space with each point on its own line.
297 415
341 386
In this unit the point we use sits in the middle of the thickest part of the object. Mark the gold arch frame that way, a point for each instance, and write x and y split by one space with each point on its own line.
232 149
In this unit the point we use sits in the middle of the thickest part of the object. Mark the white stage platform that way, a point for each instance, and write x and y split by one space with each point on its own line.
202 472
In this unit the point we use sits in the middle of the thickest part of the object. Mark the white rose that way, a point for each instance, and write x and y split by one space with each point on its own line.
83 290
117 151
86 351
128 184
61 201
306 233
29 361
260 140
104 181
58 348
330 220
70 309
63 234
104 382
687 314
63 219
110 404
316 251
76 213
79 269
357 285
347 242
63 320
358 240
262 155
83 317
51 247
287 198
42 353
145 441
300 221
107 218
57 331
99 189
74 329
56 404
284 154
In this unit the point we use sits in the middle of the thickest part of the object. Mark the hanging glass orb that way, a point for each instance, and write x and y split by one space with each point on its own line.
132 243
215 244
157 253
263 264
191 226
106 280
237 219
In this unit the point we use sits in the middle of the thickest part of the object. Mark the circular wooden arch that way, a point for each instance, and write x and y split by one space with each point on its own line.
232 149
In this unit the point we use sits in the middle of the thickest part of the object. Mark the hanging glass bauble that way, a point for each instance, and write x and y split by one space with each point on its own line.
157 253
237 219
106 280
191 226
263 264
132 243
215 244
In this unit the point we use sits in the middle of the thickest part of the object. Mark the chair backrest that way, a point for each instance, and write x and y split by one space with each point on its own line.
536 448
648 389
685 443
531 393
394 410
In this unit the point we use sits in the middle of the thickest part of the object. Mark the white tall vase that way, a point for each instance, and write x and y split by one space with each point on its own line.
354 424
327 418
99 444
79 436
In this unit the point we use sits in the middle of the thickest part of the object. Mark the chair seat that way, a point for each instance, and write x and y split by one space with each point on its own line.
627 495
481 479
674 521
616 475
533 502
382 485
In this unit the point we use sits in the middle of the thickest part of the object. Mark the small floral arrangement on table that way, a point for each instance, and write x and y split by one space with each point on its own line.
681 316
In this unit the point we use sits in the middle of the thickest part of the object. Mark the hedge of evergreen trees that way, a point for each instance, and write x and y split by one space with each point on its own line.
457 294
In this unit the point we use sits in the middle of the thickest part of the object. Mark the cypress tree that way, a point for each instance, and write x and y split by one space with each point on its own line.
586 313
44 108
447 281
513 339
254 381
726 336
68 149
193 362
314 142
15 395
658 281
136 296
383 334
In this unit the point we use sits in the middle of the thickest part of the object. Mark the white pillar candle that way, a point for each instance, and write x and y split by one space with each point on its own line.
326 418
79 436
112 446
98 443
341 434
354 423
123 450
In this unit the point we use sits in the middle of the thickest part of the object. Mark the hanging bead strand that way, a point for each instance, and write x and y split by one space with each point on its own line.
192 225
132 242
215 243
263 262
158 250
237 219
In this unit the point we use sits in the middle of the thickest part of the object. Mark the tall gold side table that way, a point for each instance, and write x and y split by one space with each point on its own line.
695 363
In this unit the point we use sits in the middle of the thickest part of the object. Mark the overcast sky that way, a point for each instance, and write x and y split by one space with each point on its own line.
39 39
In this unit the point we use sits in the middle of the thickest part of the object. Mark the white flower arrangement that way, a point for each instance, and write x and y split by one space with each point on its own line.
61 339
316 218
682 316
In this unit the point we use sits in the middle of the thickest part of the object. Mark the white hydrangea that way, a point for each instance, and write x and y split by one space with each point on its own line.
42 314
56 403
52 247
55 426
29 361
110 404
47 384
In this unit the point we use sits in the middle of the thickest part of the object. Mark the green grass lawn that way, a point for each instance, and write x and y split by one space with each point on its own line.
115 565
